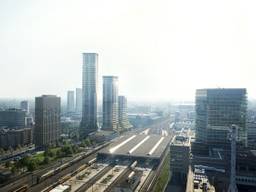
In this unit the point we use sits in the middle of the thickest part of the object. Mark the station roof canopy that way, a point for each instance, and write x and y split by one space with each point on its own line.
138 145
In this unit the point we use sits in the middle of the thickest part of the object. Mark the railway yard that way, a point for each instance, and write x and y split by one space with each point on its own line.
130 162
99 177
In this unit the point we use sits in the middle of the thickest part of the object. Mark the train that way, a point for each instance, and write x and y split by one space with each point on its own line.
59 169
92 161
61 188
84 166
65 165
64 178
68 176
130 176
72 162
133 165
22 188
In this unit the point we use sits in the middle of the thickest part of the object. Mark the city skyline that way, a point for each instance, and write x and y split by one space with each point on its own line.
135 96
162 44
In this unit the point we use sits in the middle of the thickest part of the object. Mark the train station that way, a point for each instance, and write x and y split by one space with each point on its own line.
140 147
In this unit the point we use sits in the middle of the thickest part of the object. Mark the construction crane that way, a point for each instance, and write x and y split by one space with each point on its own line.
233 137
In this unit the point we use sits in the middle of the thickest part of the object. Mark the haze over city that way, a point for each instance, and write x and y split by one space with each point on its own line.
161 50
127 96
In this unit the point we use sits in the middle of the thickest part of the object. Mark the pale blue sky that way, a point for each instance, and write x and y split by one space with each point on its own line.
161 49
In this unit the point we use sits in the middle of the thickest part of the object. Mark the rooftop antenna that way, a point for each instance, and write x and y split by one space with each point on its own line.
233 137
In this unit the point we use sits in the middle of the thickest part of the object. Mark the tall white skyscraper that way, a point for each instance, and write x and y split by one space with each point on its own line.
90 84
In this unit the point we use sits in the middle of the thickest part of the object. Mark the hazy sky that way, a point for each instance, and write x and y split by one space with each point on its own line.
161 49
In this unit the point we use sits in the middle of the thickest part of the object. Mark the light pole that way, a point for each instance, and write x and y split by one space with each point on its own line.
233 137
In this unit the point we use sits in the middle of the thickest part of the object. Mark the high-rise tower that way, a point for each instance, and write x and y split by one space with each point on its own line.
79 100
90 83
122 113
70 101
216 111
47 120
110 103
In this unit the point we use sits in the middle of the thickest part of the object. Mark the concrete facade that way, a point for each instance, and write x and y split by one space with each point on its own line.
47 120
15 137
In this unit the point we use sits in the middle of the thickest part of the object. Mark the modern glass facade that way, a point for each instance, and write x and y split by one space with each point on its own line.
79 100
122 113
90 84
12 118
110 103
217 110
70 101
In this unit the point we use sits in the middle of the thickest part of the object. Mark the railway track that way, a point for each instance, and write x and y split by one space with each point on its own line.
33 182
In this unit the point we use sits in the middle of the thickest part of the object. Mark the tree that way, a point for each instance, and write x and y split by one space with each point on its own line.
75 148
10 149
67 150
87 142
18 147
48 153
23 162
32 165
7 164
14 169
57 143
58 153
46 160
82 144
2 151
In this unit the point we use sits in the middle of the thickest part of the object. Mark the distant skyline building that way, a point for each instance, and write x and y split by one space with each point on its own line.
79 99
110 103
89 89
29 121
70 101
216 111
12 118
122 113
24 105
47 120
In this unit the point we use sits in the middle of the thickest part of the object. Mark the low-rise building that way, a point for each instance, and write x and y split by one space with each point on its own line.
14 118
251 132
216 164
15 137
180 155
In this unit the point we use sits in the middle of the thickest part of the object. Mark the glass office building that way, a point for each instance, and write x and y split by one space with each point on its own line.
122 113
216 111
110 103
89 121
